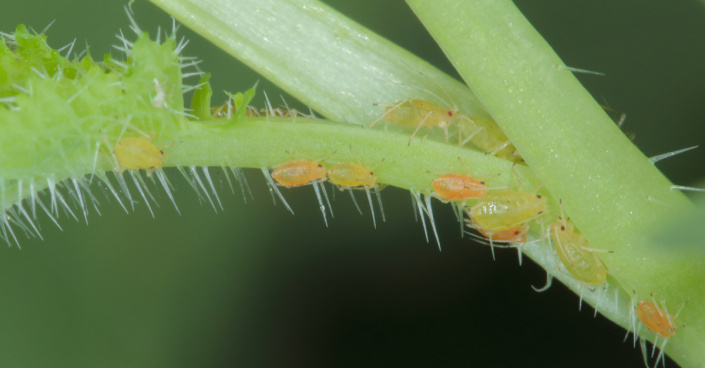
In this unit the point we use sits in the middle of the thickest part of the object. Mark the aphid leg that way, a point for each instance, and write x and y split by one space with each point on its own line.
429 211
657 158
314 184
419 127
379 200
492 248
273 189
372 209
354 201
549 281
392 108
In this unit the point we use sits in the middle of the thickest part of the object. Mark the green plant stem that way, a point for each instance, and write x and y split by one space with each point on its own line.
611 191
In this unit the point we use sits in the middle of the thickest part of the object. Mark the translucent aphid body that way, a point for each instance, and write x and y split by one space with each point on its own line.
487 135
419 113
655 320
351 175
138 153
456 187
505 210
575 253
299 172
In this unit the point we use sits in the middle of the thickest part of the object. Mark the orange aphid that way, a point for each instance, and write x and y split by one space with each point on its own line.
299 172
512 235
352 175
659 321
655 320
456 187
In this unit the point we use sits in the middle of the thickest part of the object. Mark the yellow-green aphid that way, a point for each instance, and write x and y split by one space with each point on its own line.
500 211
138 153
419 113
486 135
577 256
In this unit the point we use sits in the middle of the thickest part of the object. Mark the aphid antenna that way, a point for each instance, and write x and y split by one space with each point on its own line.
273 189
580 71
657 158
384 115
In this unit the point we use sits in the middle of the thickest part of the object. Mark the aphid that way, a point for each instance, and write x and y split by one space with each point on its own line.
456 187
514 237
504 210
299 172
486 135
138 153
578 257
350 175
418 113
659 322
303 172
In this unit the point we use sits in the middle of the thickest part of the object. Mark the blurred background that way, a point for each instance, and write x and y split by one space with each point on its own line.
255 286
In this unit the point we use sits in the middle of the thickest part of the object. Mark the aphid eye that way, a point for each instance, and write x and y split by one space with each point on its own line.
482 182
162 152
538 196
450 113
371 173
320 166
562 228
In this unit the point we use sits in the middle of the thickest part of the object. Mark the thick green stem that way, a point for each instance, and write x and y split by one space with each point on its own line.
611 191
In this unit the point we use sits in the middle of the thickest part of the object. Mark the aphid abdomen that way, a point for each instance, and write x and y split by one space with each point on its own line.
459 187
299 172
417 113
487 135
508 209
138 153
576 254
351 175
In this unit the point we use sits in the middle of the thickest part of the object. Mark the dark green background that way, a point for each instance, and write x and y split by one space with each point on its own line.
255 286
